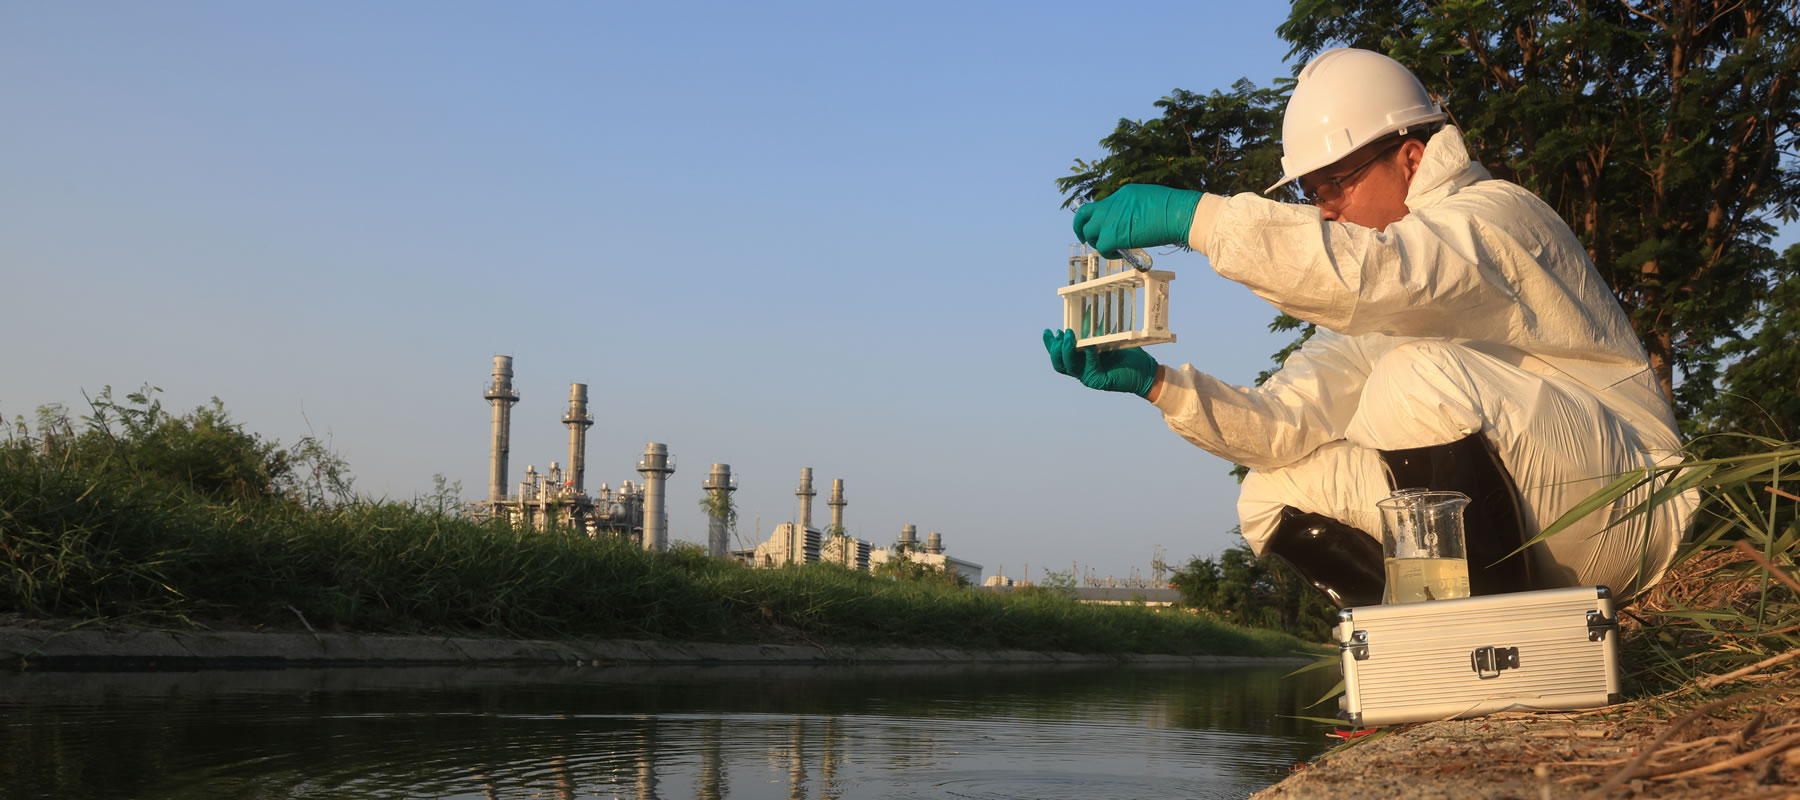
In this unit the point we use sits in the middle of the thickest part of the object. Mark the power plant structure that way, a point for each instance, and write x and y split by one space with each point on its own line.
656 466
558 498
719 514
501 396
932 555
800 543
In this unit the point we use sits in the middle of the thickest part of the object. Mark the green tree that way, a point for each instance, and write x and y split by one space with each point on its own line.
445 498
1255 592
1059 580
203 451
1662 135
717 504
1197 582
1760 394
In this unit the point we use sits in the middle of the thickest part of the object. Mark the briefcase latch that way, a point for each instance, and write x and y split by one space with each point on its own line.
1358 646
1598 624
1489 661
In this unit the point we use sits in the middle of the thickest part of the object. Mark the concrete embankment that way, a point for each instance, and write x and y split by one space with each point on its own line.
140 649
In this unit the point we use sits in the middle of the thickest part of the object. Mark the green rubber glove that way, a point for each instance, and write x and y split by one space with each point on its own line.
1131 370
1137 215
1065 357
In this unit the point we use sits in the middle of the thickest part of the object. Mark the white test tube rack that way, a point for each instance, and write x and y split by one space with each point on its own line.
1111 305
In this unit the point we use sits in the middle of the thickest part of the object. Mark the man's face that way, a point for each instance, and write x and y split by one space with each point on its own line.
1369 187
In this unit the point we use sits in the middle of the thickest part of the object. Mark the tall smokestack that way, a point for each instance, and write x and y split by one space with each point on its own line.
578 421
934 543
837 504
501 396
656 467
806 494
909 538
720 486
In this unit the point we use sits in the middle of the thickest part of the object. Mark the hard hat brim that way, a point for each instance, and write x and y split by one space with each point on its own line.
1290 175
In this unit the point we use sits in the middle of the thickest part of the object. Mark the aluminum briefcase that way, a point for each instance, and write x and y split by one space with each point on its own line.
1446 659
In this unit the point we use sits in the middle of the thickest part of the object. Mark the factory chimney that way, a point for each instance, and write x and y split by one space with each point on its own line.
719 486
806 494
501 396
837 504
909 538
656 467
934 543
578 421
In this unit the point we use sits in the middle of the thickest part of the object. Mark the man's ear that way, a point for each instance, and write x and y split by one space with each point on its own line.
1412 153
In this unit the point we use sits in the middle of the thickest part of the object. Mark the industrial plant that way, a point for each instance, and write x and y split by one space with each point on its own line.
558 498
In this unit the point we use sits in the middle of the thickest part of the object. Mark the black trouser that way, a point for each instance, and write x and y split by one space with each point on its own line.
1346 562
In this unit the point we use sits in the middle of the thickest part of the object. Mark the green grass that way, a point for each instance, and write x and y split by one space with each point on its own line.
83 544
1732 599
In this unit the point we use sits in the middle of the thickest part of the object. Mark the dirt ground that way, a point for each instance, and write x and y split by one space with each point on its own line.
1746 744
1744 749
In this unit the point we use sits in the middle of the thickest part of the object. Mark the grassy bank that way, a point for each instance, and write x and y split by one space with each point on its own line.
136 519
1731 601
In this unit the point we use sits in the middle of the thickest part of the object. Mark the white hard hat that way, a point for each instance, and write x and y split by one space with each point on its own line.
1346 98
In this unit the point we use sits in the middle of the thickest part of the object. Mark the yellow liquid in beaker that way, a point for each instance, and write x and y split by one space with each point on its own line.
1411 580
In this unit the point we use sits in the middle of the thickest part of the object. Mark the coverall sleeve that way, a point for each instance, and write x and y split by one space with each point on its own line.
1439 272
1305 404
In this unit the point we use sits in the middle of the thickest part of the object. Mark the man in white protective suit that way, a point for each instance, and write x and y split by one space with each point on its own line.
1465 342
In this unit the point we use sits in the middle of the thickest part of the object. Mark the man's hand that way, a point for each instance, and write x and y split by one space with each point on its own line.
1065 357
1137 215
1131 370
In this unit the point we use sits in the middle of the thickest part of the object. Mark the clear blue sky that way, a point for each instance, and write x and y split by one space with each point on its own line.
773 235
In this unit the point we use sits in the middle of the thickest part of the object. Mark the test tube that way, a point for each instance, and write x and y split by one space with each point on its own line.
1138 260
1123 321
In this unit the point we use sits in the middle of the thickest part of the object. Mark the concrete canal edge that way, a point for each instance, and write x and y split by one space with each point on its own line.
151 649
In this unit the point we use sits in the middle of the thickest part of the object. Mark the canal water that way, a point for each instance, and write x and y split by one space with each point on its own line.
738 732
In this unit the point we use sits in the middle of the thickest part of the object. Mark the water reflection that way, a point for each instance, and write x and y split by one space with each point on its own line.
672 732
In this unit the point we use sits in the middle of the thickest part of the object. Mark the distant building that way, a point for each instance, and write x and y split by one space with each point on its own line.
790 543
848 551
967 569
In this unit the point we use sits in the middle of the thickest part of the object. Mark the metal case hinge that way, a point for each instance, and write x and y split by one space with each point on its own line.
1489 661
1358 645
1599 624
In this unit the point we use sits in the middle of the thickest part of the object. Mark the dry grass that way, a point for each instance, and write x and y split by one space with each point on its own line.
1712 661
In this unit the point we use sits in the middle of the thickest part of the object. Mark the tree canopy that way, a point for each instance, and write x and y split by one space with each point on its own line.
1663 133
1260 593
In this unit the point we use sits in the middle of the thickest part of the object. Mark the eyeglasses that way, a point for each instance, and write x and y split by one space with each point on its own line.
1330 191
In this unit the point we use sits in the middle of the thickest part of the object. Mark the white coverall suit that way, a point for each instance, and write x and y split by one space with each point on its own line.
1478 312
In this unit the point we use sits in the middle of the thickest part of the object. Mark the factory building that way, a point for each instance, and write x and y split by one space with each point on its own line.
636 511
800 543
932 554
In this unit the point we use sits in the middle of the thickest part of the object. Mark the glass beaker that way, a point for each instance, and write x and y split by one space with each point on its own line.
1422 544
